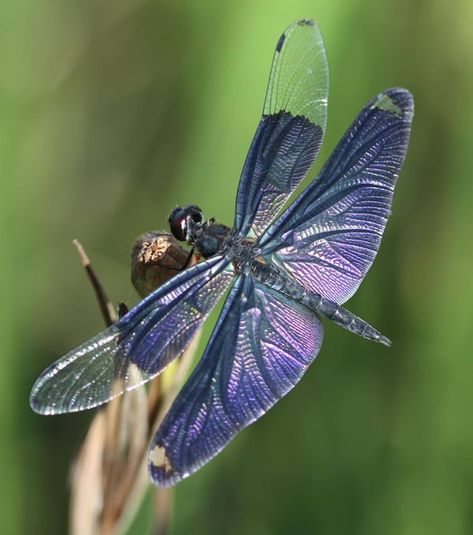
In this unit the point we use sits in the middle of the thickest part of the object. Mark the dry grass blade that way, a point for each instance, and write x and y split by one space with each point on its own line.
106 306
109 477
87 481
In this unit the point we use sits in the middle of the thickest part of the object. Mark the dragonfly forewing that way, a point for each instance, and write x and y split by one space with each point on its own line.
329 237
291 129
136 348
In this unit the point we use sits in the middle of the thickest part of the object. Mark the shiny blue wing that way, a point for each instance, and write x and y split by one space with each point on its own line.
291 129
261 346
329 237
137 347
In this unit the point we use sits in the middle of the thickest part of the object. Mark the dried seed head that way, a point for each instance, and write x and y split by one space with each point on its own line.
156 257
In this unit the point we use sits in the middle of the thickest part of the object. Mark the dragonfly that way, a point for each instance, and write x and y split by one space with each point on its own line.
284 270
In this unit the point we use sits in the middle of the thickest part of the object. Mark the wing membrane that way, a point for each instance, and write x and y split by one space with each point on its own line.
291 129
260 348
329 237
136 348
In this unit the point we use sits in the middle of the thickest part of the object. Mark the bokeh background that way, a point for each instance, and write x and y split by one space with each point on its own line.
114 111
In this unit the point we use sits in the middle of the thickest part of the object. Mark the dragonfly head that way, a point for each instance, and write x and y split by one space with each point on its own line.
185 222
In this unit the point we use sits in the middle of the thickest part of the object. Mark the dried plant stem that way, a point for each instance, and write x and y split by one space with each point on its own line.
109 477
163 505
106 306
158 408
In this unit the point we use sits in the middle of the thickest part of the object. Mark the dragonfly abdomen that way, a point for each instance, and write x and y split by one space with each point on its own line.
343 317
277 279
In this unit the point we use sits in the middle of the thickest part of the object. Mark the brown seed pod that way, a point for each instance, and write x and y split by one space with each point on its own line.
156 257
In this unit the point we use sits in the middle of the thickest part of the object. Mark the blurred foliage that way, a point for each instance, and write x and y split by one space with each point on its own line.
112 112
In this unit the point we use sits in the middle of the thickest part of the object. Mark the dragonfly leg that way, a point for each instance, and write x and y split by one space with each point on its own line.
122 310
189 258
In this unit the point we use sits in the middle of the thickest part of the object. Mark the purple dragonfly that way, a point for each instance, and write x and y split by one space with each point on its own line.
284 272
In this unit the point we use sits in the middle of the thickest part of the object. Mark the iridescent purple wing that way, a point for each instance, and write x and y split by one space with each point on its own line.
137 347
329 237
291 129
261 346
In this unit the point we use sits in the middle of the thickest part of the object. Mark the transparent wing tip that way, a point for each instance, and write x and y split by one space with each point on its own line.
384 340
86 377
40 402
46 400
36 404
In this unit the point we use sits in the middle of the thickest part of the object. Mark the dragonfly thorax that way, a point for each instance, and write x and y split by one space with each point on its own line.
214 238
211 238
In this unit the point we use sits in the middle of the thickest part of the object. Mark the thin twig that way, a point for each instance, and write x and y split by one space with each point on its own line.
109 477
106 307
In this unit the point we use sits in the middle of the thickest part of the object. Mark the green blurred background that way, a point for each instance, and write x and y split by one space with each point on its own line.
114 111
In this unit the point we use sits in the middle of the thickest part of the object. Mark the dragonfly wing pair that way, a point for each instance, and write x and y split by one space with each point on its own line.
263 342
329 237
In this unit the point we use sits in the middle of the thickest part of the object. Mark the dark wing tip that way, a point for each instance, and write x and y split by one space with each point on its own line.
397 100
166 472
160 467
301 22
280 42
306 22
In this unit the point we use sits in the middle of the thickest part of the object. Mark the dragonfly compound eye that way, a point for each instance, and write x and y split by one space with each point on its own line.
194 213
178 224
179 220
